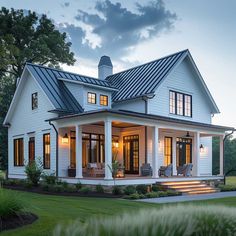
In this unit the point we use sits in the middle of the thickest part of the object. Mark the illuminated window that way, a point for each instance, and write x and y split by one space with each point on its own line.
19 152
92 98
180 104
103 100
34 101
168 151
46 151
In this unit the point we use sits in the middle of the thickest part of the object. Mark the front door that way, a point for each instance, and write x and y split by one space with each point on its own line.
184 151
131 154
31 149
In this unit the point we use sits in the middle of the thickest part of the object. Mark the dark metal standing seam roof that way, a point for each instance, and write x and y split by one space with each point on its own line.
144 79
60 96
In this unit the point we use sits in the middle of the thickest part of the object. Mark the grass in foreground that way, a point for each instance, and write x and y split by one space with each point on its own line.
54 210
172 220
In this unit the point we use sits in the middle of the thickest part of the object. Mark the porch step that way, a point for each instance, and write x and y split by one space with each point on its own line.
189 187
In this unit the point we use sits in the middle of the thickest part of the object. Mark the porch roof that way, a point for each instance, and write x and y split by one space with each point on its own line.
145 116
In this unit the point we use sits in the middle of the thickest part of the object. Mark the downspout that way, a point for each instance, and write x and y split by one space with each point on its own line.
56 146
145 99
226 136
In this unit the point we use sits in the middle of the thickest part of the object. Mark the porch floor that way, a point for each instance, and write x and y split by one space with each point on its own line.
136 179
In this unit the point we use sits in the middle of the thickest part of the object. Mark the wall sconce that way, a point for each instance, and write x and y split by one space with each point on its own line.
65 138
201 148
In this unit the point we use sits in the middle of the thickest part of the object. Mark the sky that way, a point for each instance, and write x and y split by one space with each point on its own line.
134 32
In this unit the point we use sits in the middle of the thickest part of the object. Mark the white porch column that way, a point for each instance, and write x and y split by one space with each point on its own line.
155 152
174 155
78 151
221 155
108 148
196 162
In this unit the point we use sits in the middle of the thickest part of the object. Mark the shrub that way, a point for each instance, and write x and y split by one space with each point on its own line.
57 188
142 188
78 186
99 189
85 190
170 220
10 203
49 178
156 188
45 186
130 189
225 188
64 184
133 196
28 184
116 190
33 171
162 194
70 188
152 195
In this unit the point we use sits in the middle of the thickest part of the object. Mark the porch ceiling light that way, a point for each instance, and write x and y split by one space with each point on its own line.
65 138
116 144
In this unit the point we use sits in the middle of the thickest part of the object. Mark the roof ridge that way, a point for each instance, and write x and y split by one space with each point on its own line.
185 50
64 71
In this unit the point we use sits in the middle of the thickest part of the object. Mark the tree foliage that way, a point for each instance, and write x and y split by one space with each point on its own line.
229 155
25 37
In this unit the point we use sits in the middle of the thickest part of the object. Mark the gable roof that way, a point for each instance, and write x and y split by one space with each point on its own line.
143 80
55 89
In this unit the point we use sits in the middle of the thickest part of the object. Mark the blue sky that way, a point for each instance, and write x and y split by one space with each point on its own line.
132 33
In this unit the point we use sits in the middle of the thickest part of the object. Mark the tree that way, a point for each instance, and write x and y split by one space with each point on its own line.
229 155
30 38
25 37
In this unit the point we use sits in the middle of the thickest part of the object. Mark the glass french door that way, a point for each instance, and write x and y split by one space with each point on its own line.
31 149
183 151
131 154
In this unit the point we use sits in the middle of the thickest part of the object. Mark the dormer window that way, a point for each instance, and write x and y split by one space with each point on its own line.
34 101
180 104
92 98
103 100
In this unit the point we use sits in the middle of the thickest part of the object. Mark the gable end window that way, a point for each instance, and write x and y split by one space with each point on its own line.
34 101
92 98
46 151
103 100
19 152
180 104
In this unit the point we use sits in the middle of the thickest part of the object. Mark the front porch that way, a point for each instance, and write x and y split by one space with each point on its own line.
132 142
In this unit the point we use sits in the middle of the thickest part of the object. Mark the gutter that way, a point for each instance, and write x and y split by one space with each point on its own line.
56 146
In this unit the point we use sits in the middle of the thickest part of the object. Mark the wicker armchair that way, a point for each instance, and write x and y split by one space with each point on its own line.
146 169
166 170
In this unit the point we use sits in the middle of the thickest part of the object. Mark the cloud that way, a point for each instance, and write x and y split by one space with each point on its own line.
119 29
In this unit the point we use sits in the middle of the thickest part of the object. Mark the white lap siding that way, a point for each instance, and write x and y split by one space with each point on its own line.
27 123
206 156
184 80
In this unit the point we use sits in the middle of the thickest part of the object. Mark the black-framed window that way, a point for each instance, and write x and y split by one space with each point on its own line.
19 152
46 151
92 98
103 100
34 101
180 104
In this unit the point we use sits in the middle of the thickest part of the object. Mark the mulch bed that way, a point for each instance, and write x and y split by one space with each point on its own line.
74 194
16 221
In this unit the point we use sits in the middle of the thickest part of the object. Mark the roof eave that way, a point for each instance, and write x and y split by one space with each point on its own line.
89 84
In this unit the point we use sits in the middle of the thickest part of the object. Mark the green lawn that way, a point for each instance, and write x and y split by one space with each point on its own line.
53 210
231 180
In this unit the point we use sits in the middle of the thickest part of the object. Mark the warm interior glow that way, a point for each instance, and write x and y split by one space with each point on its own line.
115 144
65 138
